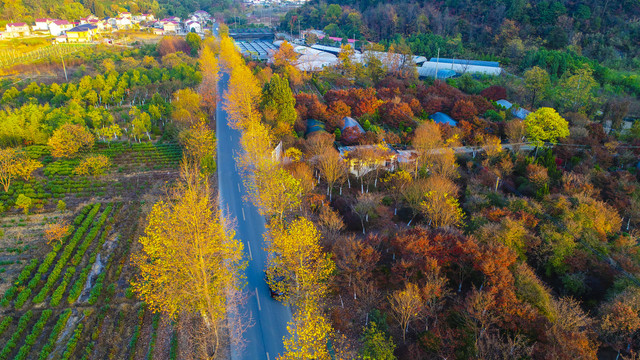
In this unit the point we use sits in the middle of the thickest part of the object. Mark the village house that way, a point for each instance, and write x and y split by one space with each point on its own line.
202 16
363 159
17 29
143 18
42 24
123 23
81 33
170 27
193 26
58 27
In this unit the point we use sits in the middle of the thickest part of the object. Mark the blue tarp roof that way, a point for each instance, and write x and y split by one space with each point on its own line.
314 126
442 118
350 122
466 62
520 113
504 103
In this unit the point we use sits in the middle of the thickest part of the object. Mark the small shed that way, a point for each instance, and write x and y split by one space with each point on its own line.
351 122
442 118
520 113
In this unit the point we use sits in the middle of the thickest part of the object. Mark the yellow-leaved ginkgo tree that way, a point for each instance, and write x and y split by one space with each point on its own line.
189 261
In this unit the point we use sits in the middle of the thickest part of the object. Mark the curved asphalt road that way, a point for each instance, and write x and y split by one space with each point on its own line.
263 340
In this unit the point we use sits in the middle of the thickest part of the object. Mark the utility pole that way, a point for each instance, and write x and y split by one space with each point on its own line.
437 63
63 66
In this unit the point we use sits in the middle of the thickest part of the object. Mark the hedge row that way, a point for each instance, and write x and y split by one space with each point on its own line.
78 285
53 336
154 336
4 324
72 343
57 294
91 235
33 336
13 342
24 275
66 254
136 332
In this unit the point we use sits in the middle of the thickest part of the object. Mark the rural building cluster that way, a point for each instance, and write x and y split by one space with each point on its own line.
91 28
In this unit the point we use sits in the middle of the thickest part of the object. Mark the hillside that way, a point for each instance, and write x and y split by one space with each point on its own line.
606 31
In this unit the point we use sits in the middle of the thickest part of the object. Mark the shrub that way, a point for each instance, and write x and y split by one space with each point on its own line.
24 202
61 206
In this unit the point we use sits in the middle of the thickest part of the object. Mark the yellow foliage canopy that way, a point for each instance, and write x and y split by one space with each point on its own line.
67 140
188 259
92 165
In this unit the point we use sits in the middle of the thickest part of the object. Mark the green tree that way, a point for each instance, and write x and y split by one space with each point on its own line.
577 90
194 41
376 345
537 82
545 125
280 101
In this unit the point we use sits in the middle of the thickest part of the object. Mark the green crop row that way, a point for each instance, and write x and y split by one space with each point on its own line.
33 336
76 289
24 275
72 343
136 333
97 289
22 298
53 336
13 341
57 294
4 324
78 285
173 346
66 254
91 235
154 336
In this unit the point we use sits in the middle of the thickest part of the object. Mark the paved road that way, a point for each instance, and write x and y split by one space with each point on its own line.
269 317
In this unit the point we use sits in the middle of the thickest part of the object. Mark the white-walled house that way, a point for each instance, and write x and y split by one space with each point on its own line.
17 29
170 27
58 27
193 26
42 24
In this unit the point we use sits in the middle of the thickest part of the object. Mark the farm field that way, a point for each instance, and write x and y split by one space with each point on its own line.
57 299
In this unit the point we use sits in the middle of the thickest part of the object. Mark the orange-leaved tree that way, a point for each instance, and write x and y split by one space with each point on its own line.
56 232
